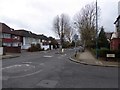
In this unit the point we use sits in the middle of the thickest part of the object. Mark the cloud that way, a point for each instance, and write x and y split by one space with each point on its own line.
38 15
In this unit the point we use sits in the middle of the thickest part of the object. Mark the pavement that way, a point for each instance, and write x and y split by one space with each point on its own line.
10 55
87 58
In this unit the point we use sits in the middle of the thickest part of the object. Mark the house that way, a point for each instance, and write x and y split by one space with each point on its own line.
115 40
27 38
14 40
9 40
108 36
44 41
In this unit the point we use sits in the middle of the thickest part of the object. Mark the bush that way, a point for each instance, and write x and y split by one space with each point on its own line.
66 45
117 53
34 48
102 52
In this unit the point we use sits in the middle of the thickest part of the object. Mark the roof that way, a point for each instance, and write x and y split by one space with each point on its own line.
26 33
117 19
6 29
43 37
21 32
108 35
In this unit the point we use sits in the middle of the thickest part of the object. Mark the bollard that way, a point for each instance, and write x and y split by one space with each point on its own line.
62 50
75 53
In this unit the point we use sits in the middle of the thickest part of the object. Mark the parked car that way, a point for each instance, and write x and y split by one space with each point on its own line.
81 49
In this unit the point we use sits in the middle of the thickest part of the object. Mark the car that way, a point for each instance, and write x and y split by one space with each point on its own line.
81 49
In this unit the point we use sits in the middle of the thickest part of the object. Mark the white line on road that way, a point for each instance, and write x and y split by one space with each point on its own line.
27 74
14 66
98 62
41 64
6 77
47 56
26 62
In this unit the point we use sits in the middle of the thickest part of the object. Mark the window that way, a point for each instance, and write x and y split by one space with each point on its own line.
6 44
15 37
15 44
6 35
0 42
1 35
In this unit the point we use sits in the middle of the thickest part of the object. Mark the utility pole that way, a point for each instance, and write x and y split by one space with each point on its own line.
96 31
62 35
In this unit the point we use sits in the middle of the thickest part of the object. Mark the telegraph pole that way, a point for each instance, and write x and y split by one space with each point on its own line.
96 31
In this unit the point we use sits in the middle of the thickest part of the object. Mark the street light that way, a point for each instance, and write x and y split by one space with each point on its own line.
75 40
49 44
96 31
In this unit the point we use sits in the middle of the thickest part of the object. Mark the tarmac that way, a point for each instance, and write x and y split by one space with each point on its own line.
87 58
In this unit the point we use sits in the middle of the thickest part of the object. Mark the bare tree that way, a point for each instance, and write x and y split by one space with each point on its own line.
69 34
62 27
56 26
86 23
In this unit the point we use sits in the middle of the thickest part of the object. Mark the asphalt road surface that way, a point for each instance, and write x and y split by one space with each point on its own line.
48 69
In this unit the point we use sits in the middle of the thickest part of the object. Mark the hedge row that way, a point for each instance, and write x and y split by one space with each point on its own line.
103 51
34 48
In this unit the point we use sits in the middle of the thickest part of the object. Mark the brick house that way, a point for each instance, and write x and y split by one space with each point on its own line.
12 41
9 40
115 40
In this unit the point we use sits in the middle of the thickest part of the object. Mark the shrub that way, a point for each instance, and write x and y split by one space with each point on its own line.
102 52
34 48
116 52
66 45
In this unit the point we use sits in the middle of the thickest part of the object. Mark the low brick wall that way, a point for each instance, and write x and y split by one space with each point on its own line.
12 49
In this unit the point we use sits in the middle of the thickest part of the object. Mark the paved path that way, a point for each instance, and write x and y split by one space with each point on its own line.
87 58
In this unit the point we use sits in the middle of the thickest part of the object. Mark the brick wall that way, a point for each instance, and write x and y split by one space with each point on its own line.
12 49
115 44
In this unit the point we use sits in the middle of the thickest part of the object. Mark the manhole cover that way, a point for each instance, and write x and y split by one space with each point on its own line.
47 83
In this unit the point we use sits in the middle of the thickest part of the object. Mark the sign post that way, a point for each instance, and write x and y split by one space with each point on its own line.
75 40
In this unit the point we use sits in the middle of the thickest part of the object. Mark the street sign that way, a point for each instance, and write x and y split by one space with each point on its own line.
75 37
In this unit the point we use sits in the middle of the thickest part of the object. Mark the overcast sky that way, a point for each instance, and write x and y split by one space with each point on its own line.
37 15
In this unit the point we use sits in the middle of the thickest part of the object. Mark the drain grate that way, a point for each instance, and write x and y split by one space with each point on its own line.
47 83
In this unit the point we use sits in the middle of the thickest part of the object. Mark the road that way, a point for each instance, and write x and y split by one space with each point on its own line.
48 69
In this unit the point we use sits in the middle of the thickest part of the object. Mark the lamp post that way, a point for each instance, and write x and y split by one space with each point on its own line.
75 40
96 31
49 44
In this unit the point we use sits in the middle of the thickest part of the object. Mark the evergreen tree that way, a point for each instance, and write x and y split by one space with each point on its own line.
102 40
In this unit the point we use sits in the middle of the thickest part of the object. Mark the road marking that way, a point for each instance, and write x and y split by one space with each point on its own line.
41 64
4 78
26 74
26 62
63 55
47 56
98 62
13 66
